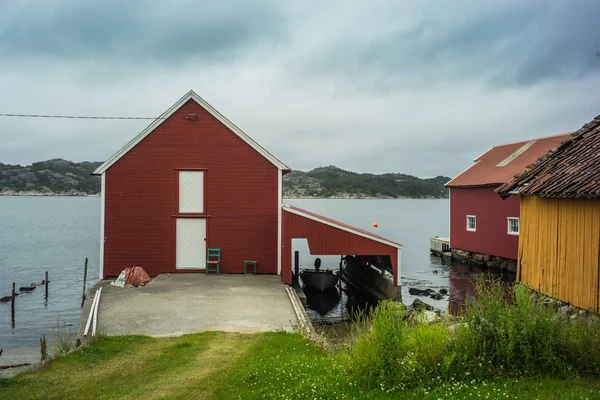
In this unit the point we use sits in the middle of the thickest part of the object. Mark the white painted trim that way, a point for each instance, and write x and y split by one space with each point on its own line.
102 217
450 217
399 272
508 232
471 230
279 217
341 227
191 95
468 168
477 159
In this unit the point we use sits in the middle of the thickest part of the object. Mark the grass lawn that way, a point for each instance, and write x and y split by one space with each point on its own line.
215 365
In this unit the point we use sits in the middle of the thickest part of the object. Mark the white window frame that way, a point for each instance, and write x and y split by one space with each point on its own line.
513 233
475 223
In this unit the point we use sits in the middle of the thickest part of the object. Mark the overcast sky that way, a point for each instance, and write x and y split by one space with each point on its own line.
419 87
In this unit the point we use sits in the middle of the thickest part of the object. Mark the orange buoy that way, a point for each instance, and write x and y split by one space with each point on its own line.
375 224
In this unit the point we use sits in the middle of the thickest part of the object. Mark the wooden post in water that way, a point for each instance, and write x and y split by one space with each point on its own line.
12 306
339 284
84 281
43 348
296 267
46 284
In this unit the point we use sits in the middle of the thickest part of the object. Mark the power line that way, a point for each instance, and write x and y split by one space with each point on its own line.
73 116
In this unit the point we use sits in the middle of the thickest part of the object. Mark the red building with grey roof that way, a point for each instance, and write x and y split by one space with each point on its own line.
480 221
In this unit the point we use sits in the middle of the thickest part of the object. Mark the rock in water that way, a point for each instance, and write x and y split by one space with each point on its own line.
436 296
5 299
443 291
418 304
26 288
418 292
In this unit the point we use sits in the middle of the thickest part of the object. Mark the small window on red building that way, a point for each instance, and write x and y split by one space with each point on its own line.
513 226
471 223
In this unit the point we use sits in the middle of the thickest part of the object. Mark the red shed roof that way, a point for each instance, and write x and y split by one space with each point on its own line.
340 225
501 163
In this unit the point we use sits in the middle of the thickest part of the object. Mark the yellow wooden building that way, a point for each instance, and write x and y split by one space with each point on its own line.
559 238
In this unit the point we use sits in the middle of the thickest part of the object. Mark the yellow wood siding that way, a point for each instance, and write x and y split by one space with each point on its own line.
559 249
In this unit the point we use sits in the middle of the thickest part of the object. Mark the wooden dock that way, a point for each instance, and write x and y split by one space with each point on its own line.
439 246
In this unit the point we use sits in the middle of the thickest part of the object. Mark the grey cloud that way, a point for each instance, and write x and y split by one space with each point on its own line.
414 87
507 44
134 31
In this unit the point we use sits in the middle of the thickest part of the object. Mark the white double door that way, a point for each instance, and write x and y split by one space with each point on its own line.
191 230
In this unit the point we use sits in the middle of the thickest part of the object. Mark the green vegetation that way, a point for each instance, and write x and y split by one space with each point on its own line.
214 365
517 333
389 355
335 182
55 176
63 337
502 335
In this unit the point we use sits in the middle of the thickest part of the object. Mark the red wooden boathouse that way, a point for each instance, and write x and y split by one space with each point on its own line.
480 221
193 180
326 236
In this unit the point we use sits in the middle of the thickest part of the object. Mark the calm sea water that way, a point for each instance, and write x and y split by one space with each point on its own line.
39 234
409 222
56 234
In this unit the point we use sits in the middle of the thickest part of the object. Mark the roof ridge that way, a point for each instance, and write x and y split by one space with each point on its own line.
342 225
501 163
534 139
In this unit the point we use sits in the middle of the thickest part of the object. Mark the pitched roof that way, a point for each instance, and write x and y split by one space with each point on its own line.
191 95
340 225
501 163
571 170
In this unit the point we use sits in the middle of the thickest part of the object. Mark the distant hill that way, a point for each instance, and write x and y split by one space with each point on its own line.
51 177
62 177
333 182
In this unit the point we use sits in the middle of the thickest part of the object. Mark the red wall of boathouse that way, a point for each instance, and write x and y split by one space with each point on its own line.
241 199
326 240
491 235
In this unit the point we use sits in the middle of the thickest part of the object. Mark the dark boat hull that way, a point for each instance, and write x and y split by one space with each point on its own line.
370 281
320 281
321 302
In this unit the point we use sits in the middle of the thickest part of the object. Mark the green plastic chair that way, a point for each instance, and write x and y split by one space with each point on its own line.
213 258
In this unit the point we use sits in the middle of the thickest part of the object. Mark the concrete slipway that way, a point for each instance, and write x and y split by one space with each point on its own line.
176 304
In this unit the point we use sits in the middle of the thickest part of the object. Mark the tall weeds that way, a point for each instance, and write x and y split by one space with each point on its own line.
506 330
516 332
63 337
379 347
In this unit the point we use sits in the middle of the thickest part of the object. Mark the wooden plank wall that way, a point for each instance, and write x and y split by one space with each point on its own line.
241 200
559 249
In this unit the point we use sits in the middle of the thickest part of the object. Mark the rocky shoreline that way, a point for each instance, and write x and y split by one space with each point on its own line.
76 193
71 193
354 196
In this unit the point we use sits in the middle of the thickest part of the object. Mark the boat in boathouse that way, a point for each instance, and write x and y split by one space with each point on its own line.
317 279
